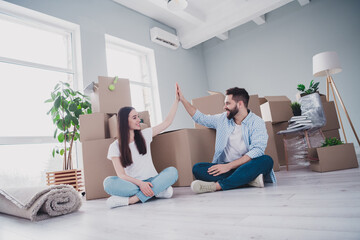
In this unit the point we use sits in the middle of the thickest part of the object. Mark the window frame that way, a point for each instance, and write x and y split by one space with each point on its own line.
149 59
15 13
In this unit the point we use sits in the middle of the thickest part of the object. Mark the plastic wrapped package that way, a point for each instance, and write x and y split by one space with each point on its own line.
296 145
311 107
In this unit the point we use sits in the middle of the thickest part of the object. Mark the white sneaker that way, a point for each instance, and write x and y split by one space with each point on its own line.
167 193
199 186
257 182
116 201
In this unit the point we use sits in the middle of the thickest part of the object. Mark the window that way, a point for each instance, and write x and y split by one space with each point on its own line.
36 51
136 63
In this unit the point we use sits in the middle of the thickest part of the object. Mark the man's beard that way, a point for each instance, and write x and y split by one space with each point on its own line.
232 113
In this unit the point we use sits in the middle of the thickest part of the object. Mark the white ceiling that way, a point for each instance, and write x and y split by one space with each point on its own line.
205 19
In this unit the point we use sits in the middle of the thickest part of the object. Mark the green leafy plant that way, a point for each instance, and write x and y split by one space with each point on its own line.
313 87
67 106
331 142
296 108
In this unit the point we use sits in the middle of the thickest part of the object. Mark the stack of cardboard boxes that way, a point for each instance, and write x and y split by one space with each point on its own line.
276 112
95 133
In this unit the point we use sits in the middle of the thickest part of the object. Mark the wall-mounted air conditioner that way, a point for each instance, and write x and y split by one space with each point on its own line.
164 38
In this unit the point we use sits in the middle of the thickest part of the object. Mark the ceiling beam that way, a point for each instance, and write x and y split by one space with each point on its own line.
224 36
260 20
303 2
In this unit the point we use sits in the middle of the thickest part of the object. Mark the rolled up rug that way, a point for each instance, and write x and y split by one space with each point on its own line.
39 203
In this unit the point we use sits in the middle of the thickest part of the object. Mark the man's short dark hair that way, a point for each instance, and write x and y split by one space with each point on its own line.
239 94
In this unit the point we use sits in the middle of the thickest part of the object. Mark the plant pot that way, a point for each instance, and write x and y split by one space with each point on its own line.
70 177
297 112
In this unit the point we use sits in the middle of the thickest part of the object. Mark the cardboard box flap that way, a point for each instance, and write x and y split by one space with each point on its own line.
313 154
214 92
262 100
277 98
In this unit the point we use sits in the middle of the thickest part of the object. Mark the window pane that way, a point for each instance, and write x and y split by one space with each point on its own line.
26 165
23 91
141 99
125 65
27 43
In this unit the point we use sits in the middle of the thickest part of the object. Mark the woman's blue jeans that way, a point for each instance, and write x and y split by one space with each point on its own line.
235 177
114 185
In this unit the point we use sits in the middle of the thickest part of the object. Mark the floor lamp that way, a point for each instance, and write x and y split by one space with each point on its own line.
326 64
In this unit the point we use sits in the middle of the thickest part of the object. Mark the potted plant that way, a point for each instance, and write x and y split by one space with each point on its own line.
296 108
313 87
331 142
67 106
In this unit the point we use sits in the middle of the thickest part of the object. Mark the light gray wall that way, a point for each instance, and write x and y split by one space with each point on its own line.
271 59
99 17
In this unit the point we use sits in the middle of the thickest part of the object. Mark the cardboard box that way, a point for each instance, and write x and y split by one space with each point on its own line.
325 159
96 167
276 141
332 121
113 123
275 108
271 149
214 104
332 133
182 149
94 126
106 101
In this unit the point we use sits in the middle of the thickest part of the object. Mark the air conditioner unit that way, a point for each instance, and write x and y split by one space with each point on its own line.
164 38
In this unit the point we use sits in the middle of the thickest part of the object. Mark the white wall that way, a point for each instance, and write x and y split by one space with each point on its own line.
99 17
271 59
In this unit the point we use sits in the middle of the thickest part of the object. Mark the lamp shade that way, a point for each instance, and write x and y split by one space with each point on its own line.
176 5
326 62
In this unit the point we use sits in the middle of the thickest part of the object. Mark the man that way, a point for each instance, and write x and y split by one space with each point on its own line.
241 139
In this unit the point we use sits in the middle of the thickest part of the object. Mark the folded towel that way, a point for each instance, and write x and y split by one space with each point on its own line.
39 203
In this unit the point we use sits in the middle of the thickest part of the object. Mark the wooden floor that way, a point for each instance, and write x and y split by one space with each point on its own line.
303 205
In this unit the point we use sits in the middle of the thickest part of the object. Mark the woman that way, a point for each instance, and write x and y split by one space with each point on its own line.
137 180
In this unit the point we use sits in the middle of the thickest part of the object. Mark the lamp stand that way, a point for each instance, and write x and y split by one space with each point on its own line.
330 83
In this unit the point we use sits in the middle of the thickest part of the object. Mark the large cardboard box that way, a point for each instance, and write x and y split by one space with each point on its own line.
332 133
214 104
275 108
107 101
96 167
325 159
277 154
113 123
94 126
182 149
332 121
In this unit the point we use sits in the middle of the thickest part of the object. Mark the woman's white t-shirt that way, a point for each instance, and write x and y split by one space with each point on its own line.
142 167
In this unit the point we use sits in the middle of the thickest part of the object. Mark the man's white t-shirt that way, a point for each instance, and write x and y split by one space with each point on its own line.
236 147
142 167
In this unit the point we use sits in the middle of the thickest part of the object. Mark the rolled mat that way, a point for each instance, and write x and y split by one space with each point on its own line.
39 203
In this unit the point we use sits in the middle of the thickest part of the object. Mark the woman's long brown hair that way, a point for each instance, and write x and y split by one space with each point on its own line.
124 133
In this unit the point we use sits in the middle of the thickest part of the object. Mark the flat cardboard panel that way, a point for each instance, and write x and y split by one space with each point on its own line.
113 123
278 139
182 149
254 105
94 126
271 146
96 167
334 158
106 101
332 133
275 108
214 104
332 121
